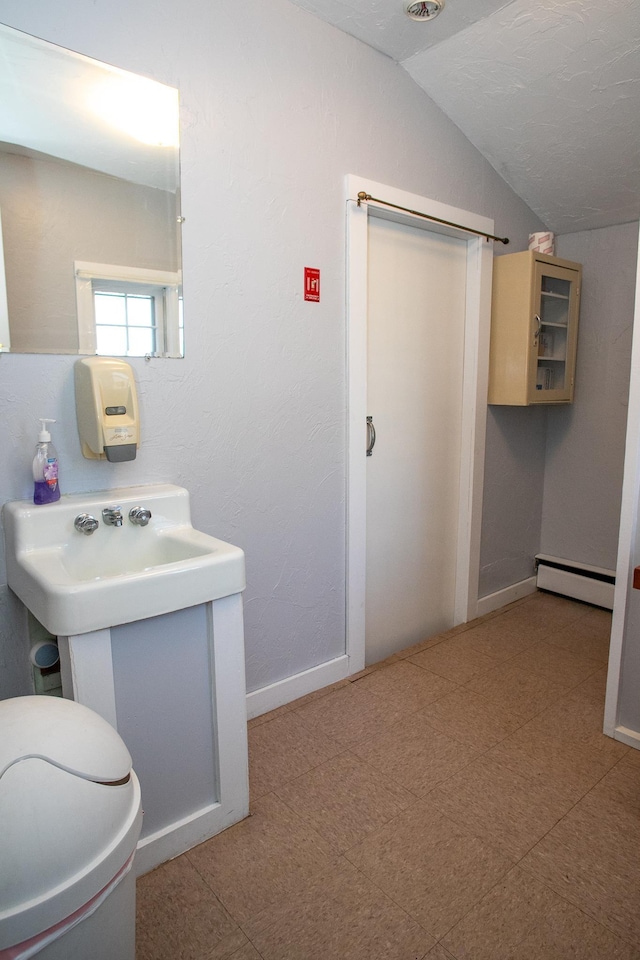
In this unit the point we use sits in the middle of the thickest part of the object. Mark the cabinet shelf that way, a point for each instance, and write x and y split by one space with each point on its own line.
534 329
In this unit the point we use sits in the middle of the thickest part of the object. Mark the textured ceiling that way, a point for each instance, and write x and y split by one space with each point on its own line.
547 90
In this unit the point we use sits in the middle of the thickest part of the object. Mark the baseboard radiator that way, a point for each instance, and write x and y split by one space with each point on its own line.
580 581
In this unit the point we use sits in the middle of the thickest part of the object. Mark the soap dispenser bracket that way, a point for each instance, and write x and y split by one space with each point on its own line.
107 409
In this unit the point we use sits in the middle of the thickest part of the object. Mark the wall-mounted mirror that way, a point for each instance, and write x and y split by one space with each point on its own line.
89 206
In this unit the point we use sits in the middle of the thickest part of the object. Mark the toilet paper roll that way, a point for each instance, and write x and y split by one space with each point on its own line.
542 242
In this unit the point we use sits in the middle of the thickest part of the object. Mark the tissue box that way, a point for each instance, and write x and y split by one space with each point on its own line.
542 243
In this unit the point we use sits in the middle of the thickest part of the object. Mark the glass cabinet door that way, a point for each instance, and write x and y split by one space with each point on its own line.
554 334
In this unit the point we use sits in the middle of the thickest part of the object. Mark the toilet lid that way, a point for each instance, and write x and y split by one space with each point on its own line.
66 734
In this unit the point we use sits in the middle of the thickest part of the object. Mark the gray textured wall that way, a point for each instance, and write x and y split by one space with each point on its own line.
553 475
276 108
585 442
513 486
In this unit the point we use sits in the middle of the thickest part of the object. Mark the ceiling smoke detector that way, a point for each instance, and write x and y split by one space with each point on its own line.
424 9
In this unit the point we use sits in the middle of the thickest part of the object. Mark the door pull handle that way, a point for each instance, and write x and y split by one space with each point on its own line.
371 436
538 329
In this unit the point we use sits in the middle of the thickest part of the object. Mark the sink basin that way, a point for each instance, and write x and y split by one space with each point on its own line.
74 583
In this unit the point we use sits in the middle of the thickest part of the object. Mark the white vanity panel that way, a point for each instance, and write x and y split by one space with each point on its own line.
163 693
174 688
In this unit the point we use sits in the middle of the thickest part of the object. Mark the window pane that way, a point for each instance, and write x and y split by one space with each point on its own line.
111 341
110 308
140 311
140 342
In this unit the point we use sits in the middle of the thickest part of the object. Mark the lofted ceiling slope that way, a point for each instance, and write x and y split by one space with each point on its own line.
547 90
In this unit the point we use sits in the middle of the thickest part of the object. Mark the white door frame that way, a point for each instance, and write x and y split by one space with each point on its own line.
474 399
625 603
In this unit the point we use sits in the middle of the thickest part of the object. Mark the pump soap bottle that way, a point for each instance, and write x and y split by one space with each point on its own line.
45 467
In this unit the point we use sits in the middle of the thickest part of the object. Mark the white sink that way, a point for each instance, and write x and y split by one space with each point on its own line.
74 583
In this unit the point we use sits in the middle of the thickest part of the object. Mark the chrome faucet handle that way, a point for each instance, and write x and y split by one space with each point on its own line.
140 516
112 516
85 523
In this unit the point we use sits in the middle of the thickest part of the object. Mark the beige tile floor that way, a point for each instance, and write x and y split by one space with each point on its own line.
456 801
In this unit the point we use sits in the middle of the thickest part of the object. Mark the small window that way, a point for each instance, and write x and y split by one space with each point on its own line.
135 314
127 318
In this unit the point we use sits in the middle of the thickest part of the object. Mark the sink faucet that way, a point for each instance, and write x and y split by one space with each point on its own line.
140 516
112 516
85 523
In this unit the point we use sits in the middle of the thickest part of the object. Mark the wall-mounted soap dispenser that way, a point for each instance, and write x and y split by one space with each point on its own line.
107 409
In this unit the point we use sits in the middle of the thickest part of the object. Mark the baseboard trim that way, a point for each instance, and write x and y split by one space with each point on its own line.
501 598
284 691
630 737
182 835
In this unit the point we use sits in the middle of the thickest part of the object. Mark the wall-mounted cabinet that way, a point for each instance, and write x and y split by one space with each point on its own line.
534 329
